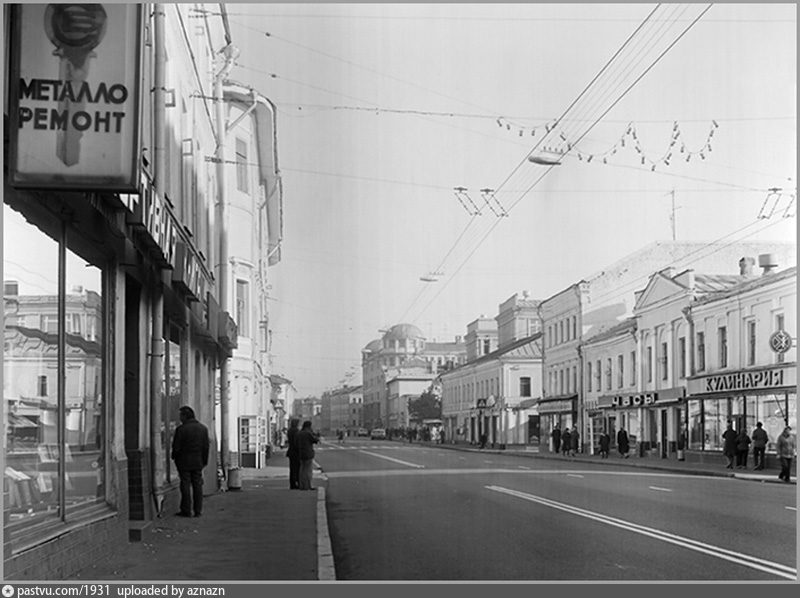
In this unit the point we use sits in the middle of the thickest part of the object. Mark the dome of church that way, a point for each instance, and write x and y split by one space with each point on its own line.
373 346
403 331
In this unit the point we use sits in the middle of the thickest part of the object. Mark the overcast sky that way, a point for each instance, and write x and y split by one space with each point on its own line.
383 109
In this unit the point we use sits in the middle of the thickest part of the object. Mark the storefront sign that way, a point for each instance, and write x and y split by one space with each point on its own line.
188 274
561 406
634 400
74 96
739 381
160 226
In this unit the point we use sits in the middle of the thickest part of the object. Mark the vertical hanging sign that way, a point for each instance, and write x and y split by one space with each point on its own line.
75 96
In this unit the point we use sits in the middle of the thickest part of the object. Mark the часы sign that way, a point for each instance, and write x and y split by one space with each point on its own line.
74 96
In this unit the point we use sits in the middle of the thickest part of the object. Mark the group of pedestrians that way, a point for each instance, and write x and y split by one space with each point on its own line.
301 453
736 447
567 442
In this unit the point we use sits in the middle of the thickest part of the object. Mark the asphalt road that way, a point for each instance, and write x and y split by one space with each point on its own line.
404 512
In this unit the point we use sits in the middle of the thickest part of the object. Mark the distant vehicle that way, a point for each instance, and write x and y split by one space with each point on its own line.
378 434
362 432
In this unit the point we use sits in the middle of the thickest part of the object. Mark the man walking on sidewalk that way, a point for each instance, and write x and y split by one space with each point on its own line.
306 439
190 453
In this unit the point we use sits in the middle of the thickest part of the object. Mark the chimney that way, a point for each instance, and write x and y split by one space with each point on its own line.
746 265
10 287
767 262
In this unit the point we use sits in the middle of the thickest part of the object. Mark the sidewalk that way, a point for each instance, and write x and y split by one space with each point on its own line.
266 532
263 532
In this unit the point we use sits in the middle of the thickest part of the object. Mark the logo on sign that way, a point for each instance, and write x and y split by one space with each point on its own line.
780 341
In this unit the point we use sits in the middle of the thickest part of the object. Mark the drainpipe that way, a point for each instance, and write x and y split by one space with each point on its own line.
159 178
230 53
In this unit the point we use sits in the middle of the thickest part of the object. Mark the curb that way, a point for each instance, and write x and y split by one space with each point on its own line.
326 570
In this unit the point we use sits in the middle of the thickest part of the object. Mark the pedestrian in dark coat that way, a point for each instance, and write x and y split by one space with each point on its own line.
742 448
566 441
574 442
623 445
556 436
729 445
760 440
294 456
306 439
605 443
190 447
787 450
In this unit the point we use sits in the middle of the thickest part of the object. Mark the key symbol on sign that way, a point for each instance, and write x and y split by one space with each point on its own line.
75 30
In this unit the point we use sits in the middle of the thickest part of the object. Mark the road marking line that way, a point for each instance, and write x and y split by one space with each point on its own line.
660 489
792 508
523 467
393 460
574 475
770 567
485 461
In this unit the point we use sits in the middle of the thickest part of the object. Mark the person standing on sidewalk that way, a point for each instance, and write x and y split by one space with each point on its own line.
742 448
293 454
306 439
729 445
556 436
574 442
760 440
623 444
786 452
566 442
605 443
190 452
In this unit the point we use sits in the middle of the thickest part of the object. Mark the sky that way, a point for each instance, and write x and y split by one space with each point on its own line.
383 110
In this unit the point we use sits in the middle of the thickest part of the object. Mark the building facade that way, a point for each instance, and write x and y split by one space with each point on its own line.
122 210
255 212
744 361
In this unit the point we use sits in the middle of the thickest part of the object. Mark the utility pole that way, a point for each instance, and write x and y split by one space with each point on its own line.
672 218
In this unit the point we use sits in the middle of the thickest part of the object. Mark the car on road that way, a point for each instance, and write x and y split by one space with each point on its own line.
378 434
362 432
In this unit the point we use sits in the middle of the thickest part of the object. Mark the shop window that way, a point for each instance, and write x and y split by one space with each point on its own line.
722 336
40 496
695 425
701 351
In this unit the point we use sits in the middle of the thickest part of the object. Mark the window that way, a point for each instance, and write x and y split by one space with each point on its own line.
486 346
649 364
561 331
664 362
598 377
549 336
561 382
242 292
751 342
574 378
41 496
589 376
241 166
620 371
701 351
779 321
574 327
525 386
682 356
722 335
633 368
608 374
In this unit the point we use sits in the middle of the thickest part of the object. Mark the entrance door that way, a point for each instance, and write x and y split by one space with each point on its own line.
663 440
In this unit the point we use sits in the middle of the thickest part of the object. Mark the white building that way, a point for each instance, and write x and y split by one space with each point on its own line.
255 232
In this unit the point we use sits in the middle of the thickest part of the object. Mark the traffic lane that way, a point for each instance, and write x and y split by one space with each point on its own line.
446 527
736 514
